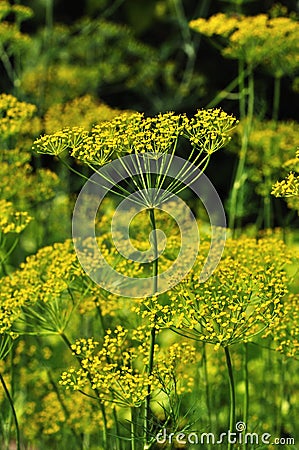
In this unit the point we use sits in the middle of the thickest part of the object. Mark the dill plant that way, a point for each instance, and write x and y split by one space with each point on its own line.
21 191
260 42
241 299
150 139
12 223
51 295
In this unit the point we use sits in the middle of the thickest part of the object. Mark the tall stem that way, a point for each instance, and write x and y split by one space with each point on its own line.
10 401
155 248
276 98
153 330
271 150
133 446
232 395
240 175
281 393
241 83
246 392
207 389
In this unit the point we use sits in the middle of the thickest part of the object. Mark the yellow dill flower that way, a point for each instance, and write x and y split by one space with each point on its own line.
220 24
113 370
38 294
21 12
13 115
289 187
133 133
285 330
270 41
20 184
12 221
51 413
53 144
209 129
240 299
12 39
171 367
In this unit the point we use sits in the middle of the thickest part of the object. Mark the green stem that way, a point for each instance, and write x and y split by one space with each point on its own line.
271 150
246 392
48 56
10 401
133 446
7 65
49 17
10 250
207 390
276 98
117 430
153 330
250 97
188 46
241 83
267 211
240 175
155 247
228 89
232 395
281 393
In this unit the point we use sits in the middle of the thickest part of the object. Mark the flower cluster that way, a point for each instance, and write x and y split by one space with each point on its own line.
43 278
171 367
55 143
50 410
116 369
285 331
132 132
289 187
63 81
20 12
259 39
44 290
112 371
11 38
28 187
125 133
51 415
209 129
12 221
240 299
13 115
